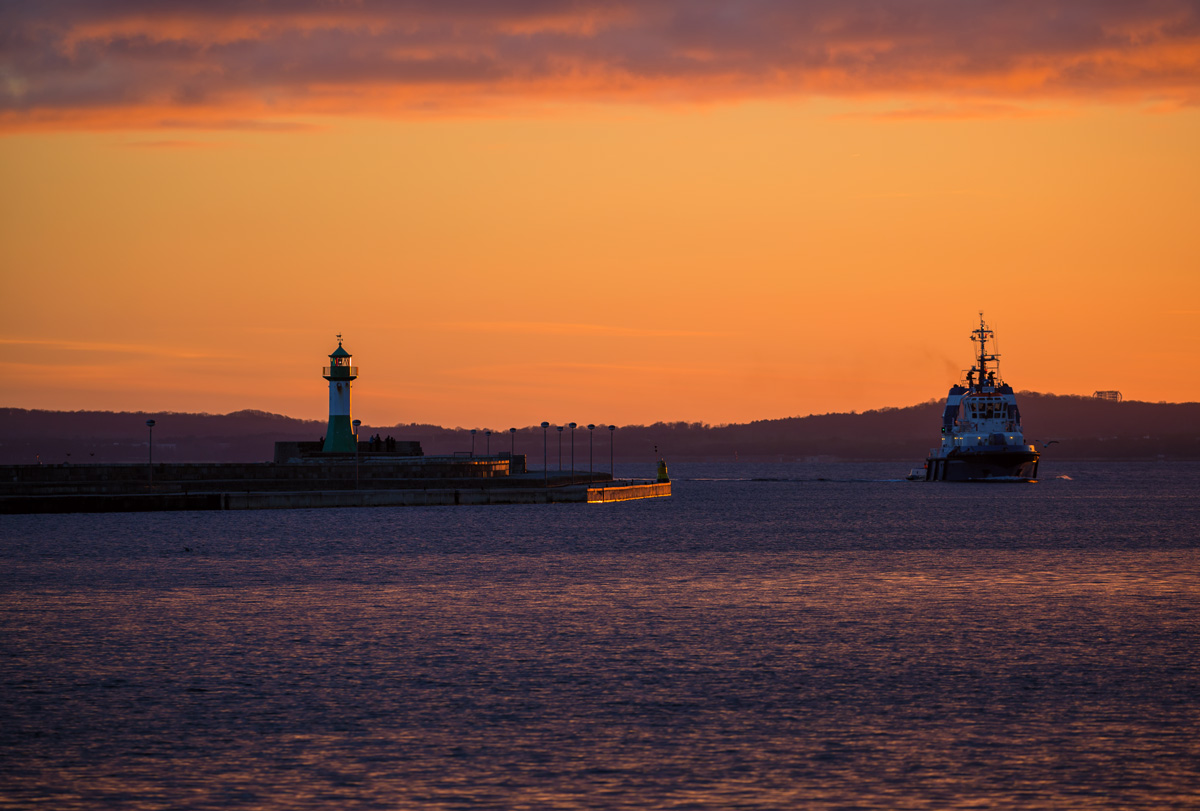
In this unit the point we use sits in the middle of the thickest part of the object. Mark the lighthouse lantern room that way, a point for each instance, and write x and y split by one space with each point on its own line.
339 436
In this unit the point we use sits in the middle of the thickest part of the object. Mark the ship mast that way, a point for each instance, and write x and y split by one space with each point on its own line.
981 335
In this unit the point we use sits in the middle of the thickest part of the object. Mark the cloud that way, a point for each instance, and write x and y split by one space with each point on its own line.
143 63
955 111
168 144
585 330
510 371
107 348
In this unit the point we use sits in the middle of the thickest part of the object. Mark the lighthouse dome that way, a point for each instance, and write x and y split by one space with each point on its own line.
339 367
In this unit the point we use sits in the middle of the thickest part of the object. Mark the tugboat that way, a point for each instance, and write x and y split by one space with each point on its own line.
981 427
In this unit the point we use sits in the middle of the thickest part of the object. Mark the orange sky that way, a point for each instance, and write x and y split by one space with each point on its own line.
646 212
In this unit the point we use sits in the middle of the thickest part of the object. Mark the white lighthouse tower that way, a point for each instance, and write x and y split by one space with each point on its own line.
339 436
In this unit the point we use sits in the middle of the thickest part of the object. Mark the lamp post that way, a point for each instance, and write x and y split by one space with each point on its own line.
150 425
572 452
545 465
611 469
512 446
591 455
473 443
356 423
488 435
560 430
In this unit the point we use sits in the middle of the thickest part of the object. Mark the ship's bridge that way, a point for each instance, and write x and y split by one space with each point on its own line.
980 406
987 414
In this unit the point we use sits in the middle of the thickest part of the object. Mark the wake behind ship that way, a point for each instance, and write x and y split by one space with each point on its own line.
981 427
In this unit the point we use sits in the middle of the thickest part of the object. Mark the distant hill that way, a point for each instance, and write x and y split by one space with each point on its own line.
1085 428
108 436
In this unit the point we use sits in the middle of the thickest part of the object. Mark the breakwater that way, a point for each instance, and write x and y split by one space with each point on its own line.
421 481
191 477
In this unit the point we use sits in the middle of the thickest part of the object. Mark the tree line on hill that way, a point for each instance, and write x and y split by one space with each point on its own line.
1083 428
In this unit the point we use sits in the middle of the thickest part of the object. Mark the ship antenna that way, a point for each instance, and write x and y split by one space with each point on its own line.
982 349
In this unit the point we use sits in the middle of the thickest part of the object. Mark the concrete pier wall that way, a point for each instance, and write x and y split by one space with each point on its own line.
418 481
315 499
301 451
339 474
600 495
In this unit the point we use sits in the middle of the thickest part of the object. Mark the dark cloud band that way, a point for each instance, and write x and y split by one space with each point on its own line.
72 58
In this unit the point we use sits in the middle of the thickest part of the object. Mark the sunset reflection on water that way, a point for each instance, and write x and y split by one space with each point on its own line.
752 644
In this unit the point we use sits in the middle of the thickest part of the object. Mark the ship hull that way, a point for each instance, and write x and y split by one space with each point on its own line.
983 466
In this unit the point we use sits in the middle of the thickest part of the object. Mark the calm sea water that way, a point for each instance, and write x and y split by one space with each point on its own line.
777 636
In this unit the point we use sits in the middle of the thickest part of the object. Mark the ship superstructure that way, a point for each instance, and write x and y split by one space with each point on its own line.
981 426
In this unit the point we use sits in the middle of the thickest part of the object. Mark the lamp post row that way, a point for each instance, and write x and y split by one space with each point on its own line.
591 448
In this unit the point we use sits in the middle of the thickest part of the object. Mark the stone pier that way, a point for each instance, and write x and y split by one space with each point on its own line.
421 481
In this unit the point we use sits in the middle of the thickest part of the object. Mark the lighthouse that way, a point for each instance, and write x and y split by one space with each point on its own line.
339 436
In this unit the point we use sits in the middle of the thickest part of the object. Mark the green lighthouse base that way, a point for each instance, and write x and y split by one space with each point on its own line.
339 436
